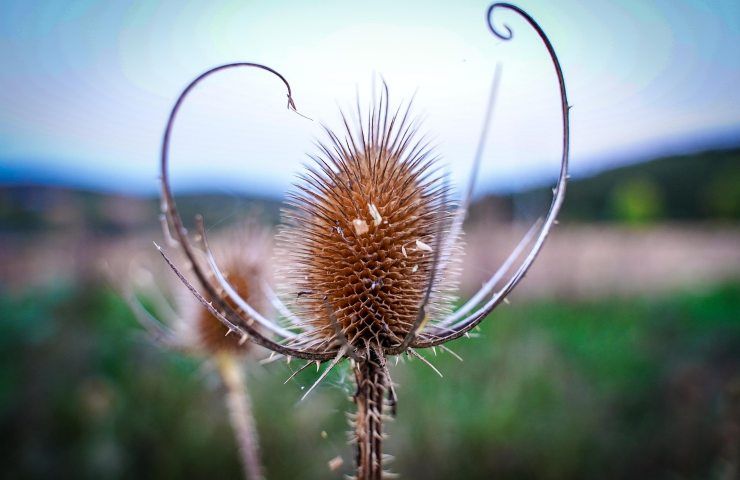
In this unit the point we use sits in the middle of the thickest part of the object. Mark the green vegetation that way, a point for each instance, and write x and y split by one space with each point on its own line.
700 186
645 388
688 187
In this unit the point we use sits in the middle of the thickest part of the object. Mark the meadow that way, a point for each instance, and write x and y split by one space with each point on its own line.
603 388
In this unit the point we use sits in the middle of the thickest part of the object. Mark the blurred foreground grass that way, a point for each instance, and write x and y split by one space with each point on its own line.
644 388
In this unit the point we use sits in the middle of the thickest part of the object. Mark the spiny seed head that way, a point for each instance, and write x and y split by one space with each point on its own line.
361 230
213 336
245 267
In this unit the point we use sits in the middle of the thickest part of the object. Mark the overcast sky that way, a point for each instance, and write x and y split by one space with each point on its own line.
86 87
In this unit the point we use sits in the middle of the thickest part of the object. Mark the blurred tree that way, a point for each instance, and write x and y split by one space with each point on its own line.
699 186
722 194
638 200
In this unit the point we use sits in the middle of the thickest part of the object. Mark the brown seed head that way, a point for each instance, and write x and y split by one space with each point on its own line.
245 268
212 334
360 234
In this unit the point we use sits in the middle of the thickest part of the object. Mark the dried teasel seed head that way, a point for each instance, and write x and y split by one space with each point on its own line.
361 230
212 334
243 257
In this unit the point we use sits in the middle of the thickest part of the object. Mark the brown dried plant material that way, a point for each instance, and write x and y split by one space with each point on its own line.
245 267
359 232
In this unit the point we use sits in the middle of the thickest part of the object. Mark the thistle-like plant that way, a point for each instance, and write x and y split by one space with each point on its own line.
190 328
370 238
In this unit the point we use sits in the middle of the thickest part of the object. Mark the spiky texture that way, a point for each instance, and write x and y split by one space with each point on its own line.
245 267
361 231
245 279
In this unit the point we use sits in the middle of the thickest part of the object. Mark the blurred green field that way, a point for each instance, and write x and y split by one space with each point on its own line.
647 388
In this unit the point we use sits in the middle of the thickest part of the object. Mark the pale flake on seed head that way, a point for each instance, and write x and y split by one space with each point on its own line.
377 219
423 246
414 269
360 226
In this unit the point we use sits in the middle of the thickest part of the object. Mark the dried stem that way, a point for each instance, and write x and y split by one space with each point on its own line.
369 397
240 414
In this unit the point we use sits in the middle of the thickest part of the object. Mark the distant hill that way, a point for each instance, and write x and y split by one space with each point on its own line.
39 208
690 187
703 186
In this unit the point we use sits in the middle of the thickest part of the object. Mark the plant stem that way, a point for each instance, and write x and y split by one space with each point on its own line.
369 397
240 415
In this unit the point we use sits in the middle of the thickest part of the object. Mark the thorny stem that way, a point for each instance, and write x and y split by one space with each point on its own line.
240 414
369 397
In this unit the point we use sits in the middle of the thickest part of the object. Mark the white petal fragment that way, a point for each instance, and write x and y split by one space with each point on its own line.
360 226
377 219
423 246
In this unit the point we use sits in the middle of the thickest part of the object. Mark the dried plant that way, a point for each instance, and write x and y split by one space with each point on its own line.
370 241
191 328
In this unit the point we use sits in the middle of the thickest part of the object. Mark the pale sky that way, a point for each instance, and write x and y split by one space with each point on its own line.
86 86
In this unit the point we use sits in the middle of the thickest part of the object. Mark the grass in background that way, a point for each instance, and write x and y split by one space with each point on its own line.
641 388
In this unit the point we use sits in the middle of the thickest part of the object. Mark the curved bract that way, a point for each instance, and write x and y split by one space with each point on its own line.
467 324
219 307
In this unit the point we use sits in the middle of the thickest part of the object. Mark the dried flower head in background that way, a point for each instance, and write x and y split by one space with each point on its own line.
245 254
370 241
189 326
